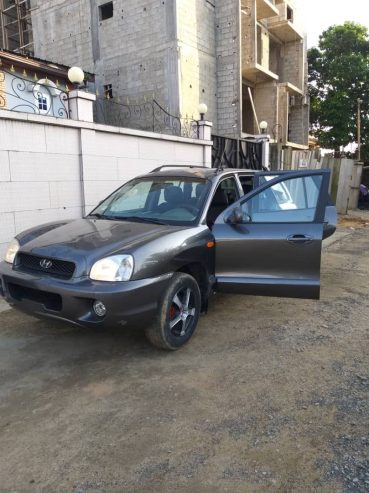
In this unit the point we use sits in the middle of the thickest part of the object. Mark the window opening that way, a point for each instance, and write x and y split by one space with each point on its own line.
108 91
106 11
289 14
42 102
16 26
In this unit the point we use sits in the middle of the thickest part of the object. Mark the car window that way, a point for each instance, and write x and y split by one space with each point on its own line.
172 201
134 198
291 200
247 183
225 195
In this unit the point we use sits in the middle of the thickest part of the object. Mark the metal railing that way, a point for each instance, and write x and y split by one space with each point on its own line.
42 97
149 116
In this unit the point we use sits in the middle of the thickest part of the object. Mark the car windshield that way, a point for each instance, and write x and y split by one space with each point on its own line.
163 200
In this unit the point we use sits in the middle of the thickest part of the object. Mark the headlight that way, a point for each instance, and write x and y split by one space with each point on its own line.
12 250
115 268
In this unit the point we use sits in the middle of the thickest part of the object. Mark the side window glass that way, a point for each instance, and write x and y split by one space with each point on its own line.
225 195
246 183
229 187
291 200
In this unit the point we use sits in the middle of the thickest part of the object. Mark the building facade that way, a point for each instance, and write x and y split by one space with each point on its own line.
246 59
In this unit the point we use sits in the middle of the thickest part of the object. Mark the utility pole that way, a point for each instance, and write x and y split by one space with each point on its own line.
359 101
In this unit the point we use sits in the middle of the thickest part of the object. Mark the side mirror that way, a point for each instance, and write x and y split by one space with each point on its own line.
237 216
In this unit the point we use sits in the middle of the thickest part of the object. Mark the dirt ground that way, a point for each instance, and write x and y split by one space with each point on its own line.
270 395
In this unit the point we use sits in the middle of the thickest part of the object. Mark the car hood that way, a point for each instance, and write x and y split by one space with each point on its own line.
84 241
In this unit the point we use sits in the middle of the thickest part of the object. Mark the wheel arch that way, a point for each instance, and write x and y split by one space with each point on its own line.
201 274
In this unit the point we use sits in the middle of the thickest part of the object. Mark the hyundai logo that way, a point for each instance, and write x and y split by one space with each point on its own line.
46 263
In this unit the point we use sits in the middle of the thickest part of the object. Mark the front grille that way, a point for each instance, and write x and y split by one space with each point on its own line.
51 301
49 266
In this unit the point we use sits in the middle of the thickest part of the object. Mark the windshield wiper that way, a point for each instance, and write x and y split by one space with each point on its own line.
140 219
96 215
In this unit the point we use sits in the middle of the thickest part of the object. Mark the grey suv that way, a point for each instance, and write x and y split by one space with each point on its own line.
156 248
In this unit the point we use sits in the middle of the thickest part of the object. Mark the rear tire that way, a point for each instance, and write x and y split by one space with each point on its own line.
178 314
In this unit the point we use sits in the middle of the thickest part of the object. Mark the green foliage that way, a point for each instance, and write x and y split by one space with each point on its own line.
338 76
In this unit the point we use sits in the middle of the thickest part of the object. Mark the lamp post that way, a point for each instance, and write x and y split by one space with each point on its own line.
80 102
263 126
203 109
76 76
359 101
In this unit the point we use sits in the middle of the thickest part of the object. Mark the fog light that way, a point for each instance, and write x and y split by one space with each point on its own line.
99 308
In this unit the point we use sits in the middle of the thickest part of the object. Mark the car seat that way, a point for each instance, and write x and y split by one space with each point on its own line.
173 197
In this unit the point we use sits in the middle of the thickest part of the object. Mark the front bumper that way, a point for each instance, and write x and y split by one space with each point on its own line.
72 301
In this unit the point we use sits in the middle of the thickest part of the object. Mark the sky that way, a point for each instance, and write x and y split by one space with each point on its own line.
318 15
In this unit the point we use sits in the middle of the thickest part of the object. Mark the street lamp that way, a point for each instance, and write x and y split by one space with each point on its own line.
263 126
202 110
359 101
76 76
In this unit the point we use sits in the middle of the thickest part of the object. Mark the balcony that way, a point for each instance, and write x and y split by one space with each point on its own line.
265 9
285 31
256 73
283 25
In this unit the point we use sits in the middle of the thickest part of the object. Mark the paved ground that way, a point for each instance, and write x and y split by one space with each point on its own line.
269 396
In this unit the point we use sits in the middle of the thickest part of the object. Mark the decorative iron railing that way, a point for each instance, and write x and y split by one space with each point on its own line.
149 116
42 97
236 153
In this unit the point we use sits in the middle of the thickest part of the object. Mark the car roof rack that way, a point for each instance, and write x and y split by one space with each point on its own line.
178 166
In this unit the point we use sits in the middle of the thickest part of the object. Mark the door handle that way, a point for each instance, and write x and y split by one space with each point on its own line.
300 239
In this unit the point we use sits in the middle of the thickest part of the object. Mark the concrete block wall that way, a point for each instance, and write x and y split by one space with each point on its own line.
53 169
135 50
266 103
197 61
248 34
293 63
228 51
62 31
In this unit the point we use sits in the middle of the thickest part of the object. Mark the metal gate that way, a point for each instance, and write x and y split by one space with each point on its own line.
236 153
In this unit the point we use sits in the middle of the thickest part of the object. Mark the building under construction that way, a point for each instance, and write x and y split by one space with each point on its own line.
16 26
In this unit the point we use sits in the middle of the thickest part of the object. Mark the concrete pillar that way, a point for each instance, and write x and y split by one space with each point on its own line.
205 129
81 105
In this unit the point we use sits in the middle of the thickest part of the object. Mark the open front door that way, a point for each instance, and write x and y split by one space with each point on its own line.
269 242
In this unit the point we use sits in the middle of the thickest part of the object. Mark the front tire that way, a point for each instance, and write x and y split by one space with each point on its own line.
178 314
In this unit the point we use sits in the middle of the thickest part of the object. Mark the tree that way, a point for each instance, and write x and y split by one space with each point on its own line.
338 77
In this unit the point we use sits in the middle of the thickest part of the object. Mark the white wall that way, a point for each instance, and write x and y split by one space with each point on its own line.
53 169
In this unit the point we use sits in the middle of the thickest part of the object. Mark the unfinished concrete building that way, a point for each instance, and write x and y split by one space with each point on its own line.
246 59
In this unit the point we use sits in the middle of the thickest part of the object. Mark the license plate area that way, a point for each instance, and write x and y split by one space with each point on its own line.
51 301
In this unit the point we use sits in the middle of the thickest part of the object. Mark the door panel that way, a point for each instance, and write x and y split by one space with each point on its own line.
274 248
260 259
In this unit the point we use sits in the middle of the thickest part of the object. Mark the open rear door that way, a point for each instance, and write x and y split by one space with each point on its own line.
269 242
